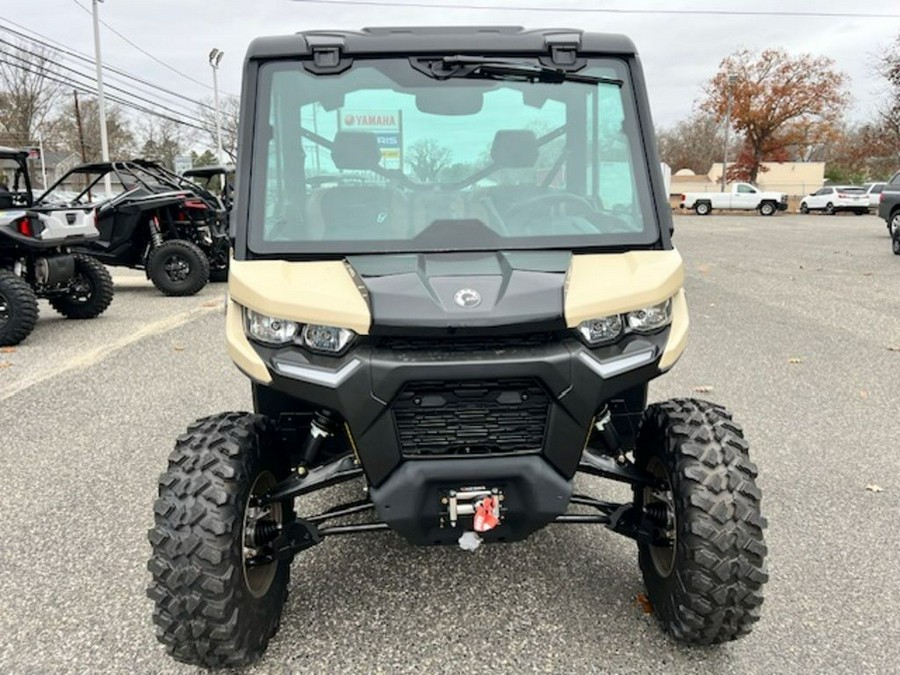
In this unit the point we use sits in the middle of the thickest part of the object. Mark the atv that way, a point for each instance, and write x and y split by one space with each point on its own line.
463 337
149 219
37 258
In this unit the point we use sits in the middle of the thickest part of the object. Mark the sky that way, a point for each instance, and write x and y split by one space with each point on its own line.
680 51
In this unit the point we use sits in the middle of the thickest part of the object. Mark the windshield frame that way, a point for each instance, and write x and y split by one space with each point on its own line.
247 217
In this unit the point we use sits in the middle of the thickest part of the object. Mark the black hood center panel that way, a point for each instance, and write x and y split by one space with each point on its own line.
464 293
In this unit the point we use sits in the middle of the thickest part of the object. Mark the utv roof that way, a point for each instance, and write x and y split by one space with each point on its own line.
440 40
11 152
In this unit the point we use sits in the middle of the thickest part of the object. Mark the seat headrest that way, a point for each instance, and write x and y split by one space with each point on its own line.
514 148
355 150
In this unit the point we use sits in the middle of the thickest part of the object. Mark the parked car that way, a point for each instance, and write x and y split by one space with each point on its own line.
150 219
739 197
833 198
889 206
873 190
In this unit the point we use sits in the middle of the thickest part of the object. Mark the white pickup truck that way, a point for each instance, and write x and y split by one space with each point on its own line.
739 197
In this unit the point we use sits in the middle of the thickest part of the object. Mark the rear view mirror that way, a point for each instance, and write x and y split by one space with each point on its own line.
449 101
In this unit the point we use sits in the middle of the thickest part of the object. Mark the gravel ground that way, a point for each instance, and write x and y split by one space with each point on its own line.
795 326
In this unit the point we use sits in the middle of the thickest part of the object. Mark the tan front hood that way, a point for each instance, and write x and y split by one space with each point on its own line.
604 284
321 292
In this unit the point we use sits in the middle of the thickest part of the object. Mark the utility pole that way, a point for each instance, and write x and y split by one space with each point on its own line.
732 78
80 133
101 102
215 58
80 127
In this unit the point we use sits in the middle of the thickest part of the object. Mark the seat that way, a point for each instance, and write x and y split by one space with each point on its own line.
510 149
361 211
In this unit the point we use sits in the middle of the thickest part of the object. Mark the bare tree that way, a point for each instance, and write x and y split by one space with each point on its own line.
162 140
427 158
230 108
118 130
28 93
694 143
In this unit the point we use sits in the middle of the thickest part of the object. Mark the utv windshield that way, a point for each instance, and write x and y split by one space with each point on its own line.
398 155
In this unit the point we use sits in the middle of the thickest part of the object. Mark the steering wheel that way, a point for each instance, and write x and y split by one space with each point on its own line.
532 210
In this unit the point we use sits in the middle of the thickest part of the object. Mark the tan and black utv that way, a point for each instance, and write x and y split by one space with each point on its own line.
453 279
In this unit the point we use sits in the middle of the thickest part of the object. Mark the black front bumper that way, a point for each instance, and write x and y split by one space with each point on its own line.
373 389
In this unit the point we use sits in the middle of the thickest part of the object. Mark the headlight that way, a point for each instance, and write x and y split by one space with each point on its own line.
274 331
270 330
607 329
601 331
649 319
327 339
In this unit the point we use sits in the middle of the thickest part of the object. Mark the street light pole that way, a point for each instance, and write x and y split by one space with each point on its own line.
215 57
732 78
101 102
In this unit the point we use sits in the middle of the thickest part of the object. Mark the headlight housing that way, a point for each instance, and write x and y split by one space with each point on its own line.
270 330
279 332
326 339
608 329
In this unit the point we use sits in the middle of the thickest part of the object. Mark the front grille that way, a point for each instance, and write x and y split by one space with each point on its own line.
471 417
452 343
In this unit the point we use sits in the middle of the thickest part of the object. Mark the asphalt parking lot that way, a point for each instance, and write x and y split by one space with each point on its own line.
795 326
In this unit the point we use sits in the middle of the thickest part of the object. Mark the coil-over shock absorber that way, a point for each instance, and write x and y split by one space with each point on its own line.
156 237
323 426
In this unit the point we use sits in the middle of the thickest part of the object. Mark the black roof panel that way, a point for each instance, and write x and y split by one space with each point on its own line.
439 40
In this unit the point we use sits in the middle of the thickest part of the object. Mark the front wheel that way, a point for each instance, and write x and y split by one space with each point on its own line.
804 209
767 209
212 608
90 290
178 267
705 569
895 244
702 208
18 309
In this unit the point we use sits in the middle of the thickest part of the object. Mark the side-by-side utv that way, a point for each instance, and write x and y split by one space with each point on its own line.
38 257
149 219
453 280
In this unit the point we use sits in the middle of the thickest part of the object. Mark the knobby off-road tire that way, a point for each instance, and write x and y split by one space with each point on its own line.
702 208
92 290
18 309
178 267
767 209
210 609
707 588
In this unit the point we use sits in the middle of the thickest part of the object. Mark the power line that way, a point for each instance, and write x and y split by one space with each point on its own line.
49 43
81 88
91 79
600 10
144 51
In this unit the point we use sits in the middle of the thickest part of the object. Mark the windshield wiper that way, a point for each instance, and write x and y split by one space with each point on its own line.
500 69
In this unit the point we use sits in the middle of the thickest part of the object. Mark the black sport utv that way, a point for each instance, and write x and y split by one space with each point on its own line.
150 219
37 258
463 320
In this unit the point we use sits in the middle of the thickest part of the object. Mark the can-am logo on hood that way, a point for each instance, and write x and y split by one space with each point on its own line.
467 298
